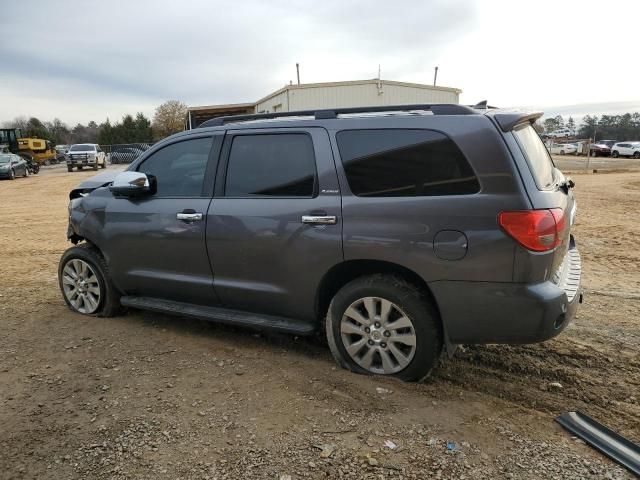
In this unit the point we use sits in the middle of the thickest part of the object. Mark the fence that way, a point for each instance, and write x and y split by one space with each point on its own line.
124 152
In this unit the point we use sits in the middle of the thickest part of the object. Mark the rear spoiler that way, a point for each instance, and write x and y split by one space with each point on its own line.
508 120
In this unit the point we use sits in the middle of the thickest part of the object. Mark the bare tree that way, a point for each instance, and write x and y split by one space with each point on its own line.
169 118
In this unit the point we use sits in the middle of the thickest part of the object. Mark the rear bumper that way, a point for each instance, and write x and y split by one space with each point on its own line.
488 312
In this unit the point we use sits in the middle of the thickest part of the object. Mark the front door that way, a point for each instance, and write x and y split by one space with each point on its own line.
155 245
274 227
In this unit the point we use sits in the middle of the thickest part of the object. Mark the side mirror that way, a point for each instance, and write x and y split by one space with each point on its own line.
132 184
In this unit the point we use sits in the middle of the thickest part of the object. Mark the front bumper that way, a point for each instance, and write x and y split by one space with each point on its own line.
490 312
5 174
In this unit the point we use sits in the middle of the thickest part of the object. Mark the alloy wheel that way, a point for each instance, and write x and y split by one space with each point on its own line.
81 286
378 335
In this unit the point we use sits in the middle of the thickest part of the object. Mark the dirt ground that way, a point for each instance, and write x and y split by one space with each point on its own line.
152 396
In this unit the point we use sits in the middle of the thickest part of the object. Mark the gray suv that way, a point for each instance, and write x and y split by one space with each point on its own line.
399 231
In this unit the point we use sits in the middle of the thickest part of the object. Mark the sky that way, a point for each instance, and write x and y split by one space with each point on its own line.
92 60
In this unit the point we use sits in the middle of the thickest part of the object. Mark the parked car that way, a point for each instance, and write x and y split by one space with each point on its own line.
12 166
626 149
563 148
561 133
601 148
397 234
61 151
83 155
124 154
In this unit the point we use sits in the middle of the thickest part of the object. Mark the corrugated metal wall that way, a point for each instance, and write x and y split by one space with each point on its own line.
359 95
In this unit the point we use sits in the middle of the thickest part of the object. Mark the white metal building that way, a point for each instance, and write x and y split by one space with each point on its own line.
358 93
310 96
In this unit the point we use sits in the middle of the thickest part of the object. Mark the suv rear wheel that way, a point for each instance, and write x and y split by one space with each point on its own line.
381 324
84 280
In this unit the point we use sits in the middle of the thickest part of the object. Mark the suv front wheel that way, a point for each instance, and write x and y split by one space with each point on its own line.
381 324
84 280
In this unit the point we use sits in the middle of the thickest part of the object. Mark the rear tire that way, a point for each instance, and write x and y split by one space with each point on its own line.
79 167
636 155
108 299
615 154
70 169
377 348
561 152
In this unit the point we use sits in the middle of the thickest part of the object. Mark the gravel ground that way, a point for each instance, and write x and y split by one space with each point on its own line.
150 396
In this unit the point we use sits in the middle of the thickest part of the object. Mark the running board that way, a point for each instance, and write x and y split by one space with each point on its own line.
613 445
222 315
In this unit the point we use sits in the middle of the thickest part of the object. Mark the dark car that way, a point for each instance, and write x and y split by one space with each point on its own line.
601 148
399 231
12 166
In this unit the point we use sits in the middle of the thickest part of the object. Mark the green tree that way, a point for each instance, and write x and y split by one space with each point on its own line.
143 128
571 123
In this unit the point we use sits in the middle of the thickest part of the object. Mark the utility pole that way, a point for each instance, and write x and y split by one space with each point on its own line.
435 77
595 131
298 72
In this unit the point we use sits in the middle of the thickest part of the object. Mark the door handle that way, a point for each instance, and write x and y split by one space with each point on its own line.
320 219
189 217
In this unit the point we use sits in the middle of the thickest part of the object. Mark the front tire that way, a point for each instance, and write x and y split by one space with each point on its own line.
561 152
95 166
384 325
12 175
26 171
70 169
83 276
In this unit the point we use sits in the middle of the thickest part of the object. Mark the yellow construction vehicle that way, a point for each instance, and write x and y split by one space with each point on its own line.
33 149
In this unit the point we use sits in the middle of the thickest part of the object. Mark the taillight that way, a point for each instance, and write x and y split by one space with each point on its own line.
536 230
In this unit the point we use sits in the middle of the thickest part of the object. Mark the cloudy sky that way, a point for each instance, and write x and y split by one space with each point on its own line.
89 60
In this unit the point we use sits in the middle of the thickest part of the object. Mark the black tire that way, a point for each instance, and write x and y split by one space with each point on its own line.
70 169
109 305
79 167
615 154
413 302
26 171
594 153
12 175
561 152
636 155
104 164
95 166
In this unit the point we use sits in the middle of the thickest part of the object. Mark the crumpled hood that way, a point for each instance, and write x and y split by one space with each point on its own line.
101 180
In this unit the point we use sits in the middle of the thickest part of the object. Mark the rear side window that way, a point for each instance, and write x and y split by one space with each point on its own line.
179 168
537 156
404 163
278 165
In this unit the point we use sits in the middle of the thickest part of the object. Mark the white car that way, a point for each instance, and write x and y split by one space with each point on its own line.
85 155
626 149
563 149
561 133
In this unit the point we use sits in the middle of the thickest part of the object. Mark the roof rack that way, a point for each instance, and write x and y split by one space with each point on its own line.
436 109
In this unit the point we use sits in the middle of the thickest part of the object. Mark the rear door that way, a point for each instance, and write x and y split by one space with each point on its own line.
274 227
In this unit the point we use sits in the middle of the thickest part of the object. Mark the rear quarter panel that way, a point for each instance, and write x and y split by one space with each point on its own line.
401 230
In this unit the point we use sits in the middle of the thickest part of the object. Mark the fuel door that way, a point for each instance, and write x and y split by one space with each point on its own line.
450 245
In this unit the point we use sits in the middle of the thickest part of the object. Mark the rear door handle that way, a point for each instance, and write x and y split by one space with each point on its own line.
189 216
320 219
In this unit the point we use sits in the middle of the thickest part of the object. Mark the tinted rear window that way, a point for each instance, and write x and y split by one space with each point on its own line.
404 163
278 165
537 156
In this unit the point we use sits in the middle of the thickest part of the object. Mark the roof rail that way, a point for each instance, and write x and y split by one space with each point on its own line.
436 109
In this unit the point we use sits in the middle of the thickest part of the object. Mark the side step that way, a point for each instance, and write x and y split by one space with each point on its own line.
222 315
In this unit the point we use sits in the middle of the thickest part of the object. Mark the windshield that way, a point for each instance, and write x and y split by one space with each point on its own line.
537 156
5 158
82 148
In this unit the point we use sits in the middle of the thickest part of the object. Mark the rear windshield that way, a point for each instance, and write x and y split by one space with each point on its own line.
82 148
537 156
